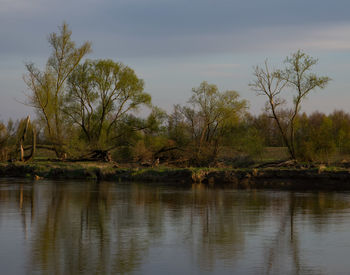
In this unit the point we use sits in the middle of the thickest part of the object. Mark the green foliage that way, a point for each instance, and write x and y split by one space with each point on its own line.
178 129
122 154
205 121
315 140
141 153
341 130
101 93
156 120
253 143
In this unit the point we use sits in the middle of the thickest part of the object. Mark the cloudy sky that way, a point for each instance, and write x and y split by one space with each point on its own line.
175 44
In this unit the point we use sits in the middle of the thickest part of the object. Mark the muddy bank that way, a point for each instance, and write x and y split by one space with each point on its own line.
285 178
298 179
93 171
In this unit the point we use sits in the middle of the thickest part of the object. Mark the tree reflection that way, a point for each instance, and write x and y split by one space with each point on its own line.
106 228
321 205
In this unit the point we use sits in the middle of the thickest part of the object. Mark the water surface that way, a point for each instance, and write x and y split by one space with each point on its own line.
56 227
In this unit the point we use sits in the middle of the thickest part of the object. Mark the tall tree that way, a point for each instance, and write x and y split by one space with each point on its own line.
296 77
101 93
208 115
48 86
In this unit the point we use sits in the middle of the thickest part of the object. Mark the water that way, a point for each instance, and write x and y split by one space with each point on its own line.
53 227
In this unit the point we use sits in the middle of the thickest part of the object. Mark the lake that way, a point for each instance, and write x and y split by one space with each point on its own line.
72 227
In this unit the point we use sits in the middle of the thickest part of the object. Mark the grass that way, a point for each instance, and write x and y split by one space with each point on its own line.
274 153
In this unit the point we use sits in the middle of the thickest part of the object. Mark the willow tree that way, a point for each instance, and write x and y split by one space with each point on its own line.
101 93
209 114
296 78
47 86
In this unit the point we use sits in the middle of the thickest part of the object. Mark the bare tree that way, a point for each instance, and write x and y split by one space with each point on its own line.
295 77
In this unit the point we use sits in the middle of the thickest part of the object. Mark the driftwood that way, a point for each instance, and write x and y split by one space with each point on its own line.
166 149
96 155
33 147
285 163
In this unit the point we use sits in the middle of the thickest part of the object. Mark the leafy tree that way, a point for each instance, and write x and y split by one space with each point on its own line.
207 117
142 139
101 93
178 129
48 86
296 77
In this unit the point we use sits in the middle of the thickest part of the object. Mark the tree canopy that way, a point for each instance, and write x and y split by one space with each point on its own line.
100 93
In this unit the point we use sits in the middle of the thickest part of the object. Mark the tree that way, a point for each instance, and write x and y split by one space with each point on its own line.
48 86
207 117
296 77
100 94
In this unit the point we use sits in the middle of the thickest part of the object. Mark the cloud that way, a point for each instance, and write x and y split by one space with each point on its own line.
211 70
183 41
332 37
168 18
141 28
287 38
14 6
328 37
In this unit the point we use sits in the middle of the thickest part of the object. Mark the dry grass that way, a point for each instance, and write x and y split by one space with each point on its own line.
275 154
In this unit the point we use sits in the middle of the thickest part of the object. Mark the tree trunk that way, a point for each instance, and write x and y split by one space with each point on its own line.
21 140
32 152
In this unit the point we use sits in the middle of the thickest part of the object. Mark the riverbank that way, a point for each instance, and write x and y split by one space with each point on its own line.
337 178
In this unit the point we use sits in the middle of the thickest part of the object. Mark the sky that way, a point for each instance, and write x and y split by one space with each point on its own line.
174 45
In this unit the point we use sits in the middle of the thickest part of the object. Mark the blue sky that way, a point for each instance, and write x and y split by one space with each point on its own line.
174 45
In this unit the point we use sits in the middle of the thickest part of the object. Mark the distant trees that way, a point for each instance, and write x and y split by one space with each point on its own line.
314 137
341 130
87 108
297 78
319 137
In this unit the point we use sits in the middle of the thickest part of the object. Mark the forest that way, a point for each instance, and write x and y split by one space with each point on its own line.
87 110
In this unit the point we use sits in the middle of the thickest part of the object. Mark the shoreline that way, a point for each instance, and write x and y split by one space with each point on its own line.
335 178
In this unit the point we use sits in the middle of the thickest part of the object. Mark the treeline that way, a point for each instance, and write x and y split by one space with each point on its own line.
318 137
86 110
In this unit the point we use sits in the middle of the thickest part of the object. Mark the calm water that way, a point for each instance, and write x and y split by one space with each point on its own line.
51 227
